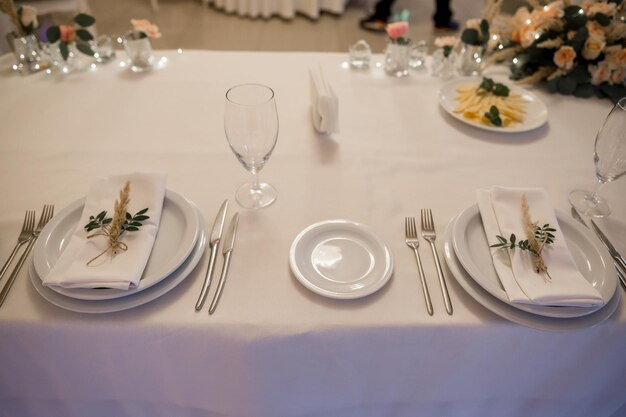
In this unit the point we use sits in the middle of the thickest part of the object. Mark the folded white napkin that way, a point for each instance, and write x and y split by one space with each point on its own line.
501 212
324 103
123 270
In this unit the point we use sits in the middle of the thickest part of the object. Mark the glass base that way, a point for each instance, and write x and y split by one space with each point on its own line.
589 204
251 198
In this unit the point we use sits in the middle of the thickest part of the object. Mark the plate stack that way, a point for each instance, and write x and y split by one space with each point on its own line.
468 256
178 248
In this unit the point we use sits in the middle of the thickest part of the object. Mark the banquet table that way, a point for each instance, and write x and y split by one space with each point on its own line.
286 9
273 348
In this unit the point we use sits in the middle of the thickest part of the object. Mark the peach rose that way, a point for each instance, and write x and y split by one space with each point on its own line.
68 33
599 73
564 57
593 47
617 76
143 25
604 8
615 56
528 35
397 30
594 29
444 41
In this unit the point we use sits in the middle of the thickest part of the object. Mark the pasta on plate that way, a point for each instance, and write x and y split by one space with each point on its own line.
474 103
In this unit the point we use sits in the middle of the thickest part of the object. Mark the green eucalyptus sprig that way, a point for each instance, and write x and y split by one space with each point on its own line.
131 223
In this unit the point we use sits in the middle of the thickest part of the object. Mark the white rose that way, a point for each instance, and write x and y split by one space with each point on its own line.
28 16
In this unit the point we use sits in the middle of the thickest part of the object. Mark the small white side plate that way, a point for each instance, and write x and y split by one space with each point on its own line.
340 259
536 110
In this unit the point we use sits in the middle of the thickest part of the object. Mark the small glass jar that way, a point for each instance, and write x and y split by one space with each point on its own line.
444 66
419 52
471 60
139 51
27 52
103 49
58 63
360 54
397 59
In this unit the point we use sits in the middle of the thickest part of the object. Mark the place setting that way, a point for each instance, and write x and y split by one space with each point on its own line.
530 264
128 242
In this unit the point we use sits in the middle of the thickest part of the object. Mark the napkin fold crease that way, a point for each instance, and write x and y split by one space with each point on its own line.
501 213
125 269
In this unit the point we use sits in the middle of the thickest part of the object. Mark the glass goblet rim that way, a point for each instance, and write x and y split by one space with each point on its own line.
260 103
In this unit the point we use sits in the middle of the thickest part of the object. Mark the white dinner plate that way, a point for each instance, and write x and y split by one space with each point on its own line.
593 261
516 315
178 231
536 110
340 259
124 303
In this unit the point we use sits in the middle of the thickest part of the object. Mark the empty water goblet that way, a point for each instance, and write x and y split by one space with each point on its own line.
251 126
609 157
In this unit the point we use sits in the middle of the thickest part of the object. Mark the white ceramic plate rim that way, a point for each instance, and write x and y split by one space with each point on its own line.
355 227
462 252
536 110
125 303
516 315
43 259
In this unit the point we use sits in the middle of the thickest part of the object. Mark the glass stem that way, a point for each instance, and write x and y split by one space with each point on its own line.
595 197
255 180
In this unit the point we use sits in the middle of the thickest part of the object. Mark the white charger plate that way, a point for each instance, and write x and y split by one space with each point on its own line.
124 303
594 262
340 259
179 229
536 110
516 315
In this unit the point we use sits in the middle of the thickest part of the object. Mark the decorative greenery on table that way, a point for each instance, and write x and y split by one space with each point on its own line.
77 34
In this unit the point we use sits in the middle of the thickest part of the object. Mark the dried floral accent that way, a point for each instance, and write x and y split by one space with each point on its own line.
8 7
113 228
537 240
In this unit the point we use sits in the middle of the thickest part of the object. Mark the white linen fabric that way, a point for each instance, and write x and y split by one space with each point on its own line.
123 270
324 102
501 212
273 348
286 9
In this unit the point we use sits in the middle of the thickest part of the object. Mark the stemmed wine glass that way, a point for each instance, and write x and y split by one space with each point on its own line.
251 126
609 156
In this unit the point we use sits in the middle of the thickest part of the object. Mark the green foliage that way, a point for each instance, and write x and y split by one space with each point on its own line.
53 34
494 116
490 86
84 20
574 17
131 223
84 35
543 235
475 37
96 222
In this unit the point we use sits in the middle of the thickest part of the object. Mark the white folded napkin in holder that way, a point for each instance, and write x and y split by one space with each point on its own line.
501 213
324 103
123 270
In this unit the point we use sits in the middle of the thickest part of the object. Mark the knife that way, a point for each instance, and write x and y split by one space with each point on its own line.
214 242
620 274
229 243
614 253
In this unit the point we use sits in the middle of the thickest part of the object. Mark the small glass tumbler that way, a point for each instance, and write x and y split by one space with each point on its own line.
397 59
417 58
139 51
360 54
26 51
471 60
103 49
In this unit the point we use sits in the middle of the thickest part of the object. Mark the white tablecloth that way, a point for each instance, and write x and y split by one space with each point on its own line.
273 348
286 9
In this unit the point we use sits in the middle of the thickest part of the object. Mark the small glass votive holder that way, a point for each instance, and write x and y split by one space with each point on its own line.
139 50
360 54
418 54
103 49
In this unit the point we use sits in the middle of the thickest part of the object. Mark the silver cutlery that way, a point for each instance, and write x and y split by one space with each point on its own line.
619 259
46 215
214 242
620 273
25 235
229 244
412 241
429 234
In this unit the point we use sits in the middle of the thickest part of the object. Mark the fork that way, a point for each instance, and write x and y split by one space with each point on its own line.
412 241
429 234
46 215
25 234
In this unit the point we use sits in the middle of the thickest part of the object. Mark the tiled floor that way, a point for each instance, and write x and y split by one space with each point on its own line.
188 24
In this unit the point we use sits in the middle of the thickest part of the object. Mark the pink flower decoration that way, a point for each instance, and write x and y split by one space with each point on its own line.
397 30
68 33
145 26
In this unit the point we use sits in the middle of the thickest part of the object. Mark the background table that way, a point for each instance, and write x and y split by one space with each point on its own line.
273 348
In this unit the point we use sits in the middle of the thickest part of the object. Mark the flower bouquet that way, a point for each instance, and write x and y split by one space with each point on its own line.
76 34
578 49
398 51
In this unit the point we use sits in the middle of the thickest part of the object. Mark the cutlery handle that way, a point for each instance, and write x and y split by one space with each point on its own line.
207 279
8 262
429 304
220 284
442 281
622 278
16 270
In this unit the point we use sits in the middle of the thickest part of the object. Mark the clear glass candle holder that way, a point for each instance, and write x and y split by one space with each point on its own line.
27 52
418 54
139 50
397 59
360 54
